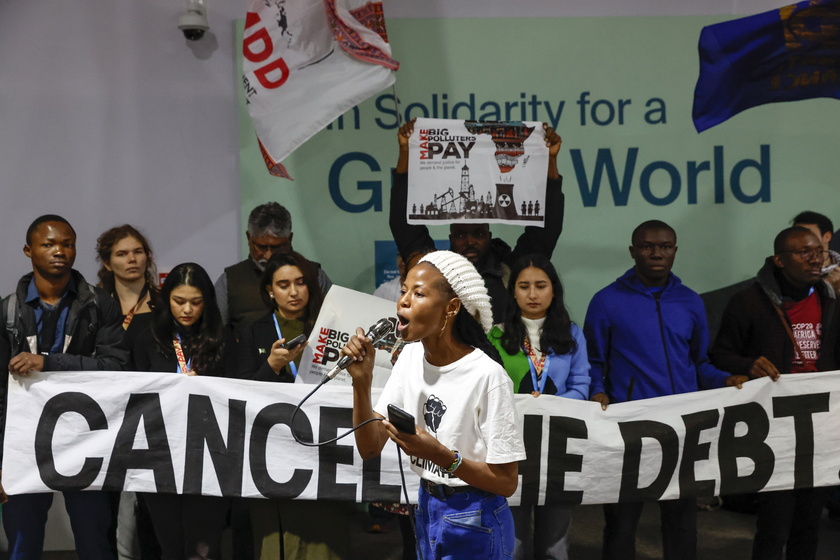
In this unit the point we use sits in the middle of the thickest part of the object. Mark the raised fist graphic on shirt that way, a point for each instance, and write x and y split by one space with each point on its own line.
433 411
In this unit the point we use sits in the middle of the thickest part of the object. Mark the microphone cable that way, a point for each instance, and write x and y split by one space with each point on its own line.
411 507
375 333
333 440
378 332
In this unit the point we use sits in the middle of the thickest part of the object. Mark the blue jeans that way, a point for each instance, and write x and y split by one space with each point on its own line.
25 515
465 525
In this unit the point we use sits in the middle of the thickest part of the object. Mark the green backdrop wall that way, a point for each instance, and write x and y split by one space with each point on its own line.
619 91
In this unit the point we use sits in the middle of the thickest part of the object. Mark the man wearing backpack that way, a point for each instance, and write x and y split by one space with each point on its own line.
56 321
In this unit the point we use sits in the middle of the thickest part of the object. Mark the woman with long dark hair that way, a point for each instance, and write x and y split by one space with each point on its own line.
292 295
466 446
544 353
187 336
293 298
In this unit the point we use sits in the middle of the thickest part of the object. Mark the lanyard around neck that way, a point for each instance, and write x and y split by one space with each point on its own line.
183 365
537 381
292 365
130 315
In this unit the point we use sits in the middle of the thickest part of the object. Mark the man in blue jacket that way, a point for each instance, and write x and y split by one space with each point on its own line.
647 337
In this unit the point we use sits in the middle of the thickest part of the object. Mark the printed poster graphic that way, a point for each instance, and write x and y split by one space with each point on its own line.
342 311
477 172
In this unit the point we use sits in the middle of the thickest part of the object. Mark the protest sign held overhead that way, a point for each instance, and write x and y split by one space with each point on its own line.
477 172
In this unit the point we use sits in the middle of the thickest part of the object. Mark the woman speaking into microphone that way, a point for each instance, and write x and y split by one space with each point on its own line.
467 444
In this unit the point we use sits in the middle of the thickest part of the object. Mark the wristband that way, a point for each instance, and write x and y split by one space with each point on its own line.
455 464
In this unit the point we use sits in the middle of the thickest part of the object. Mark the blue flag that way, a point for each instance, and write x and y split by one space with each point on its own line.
782 55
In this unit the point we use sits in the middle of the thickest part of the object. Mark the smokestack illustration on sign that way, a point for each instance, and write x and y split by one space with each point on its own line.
505 207
453 205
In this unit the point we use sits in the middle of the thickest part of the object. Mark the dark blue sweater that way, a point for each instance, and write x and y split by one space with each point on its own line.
641 347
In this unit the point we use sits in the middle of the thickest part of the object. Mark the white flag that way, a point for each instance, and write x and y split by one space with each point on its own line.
306 62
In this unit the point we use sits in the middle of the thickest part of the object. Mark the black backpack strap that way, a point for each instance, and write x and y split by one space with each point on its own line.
11 310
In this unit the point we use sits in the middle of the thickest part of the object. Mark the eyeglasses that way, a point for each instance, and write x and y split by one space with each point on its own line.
664 248
809 254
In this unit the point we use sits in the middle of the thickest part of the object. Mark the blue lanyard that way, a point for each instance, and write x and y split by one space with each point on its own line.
292 365
539 384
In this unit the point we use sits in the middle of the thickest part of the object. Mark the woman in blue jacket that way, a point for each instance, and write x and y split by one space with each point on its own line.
544 353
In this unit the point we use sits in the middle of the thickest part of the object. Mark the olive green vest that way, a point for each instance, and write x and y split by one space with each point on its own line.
245 304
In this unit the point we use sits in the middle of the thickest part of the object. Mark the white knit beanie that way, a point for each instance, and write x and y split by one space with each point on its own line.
467 284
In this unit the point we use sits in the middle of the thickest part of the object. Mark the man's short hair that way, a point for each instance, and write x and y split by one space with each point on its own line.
42 220
780 243
271 219
822 222
652 225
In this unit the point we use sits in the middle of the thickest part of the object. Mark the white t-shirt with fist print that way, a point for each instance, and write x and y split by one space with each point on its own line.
467 405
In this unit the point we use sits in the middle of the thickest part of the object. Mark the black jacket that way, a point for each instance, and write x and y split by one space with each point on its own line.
254 346
751 327
94 328
146 356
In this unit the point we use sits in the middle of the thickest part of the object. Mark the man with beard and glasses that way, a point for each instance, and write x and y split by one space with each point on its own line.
238 289
786 322
239 293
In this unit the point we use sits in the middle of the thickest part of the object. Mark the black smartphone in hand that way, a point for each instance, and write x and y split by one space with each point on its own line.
402 420
295 342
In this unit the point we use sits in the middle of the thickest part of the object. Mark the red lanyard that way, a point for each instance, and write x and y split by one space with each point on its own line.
538 361
183 365
130 315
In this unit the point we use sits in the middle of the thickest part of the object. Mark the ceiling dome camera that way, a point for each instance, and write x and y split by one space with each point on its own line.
193 23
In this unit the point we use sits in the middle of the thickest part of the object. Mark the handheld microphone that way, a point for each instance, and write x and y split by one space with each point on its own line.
376 333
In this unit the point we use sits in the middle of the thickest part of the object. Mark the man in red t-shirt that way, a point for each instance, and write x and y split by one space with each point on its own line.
786 322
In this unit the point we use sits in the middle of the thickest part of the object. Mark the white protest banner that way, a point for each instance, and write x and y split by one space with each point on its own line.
476 172
167 432
162 432
306 62
342 311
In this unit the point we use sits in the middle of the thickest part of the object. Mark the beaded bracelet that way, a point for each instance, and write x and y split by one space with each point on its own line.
455 464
